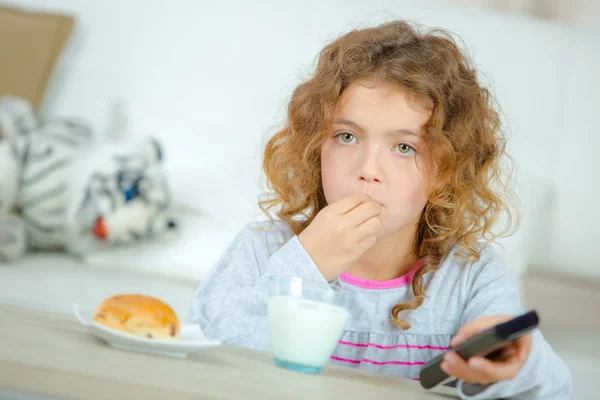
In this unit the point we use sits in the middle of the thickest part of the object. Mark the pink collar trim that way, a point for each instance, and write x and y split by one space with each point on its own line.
391 284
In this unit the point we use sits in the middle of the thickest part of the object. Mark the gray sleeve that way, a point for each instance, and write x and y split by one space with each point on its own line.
544 375
230 304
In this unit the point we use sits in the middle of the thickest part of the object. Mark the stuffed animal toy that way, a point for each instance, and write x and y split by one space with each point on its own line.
60 190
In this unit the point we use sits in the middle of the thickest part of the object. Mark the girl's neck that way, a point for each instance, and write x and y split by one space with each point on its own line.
390 258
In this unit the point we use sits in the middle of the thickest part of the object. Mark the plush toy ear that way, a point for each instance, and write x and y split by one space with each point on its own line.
17 117
151 151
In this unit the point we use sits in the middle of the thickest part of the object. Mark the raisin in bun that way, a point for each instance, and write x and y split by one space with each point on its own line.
138 315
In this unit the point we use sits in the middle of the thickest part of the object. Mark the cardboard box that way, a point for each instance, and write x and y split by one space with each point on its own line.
30 43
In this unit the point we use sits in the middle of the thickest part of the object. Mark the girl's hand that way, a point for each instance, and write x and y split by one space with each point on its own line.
341 233
482 370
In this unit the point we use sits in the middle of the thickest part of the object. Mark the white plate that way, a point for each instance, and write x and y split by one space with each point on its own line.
191 339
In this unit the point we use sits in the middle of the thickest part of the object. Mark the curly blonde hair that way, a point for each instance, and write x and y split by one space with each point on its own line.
470 190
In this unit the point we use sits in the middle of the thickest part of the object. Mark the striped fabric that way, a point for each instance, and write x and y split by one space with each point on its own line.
45 178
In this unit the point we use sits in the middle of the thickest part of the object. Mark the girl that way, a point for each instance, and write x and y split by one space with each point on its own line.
387 180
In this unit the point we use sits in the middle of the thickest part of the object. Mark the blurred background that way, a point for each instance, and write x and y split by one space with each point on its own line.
210 81
578 13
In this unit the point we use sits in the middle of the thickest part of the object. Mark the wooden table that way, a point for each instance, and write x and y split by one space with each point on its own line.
51 354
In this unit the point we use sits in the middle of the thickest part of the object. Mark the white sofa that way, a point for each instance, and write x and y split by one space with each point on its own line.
211 80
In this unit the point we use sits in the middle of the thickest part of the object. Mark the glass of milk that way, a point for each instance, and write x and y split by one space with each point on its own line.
306 321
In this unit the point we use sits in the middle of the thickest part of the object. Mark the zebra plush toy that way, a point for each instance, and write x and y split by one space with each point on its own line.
62 191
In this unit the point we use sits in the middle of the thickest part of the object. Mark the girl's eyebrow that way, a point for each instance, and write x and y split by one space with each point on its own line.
395 132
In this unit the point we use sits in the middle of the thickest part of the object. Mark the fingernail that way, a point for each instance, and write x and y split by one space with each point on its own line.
450 359
476 363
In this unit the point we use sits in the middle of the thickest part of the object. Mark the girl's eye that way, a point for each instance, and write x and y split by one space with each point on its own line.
405 149
346 138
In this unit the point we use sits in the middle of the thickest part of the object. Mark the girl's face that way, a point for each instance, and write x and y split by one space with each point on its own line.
376 145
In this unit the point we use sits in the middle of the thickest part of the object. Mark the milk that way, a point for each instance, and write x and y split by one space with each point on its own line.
304 332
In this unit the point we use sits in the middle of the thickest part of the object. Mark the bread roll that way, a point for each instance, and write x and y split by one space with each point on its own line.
138 315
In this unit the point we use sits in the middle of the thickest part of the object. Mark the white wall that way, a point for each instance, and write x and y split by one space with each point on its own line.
211 79
583 14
